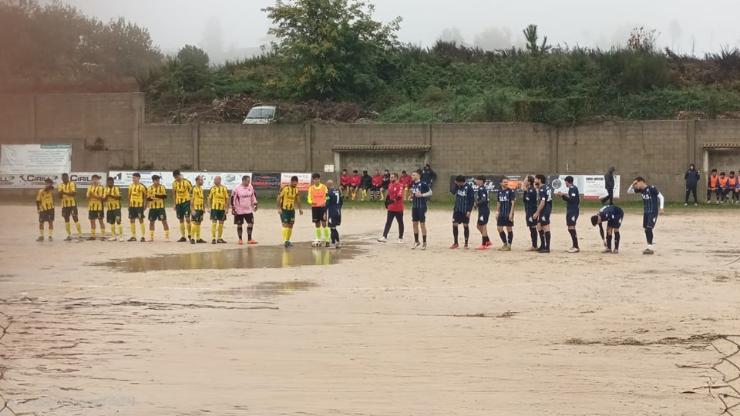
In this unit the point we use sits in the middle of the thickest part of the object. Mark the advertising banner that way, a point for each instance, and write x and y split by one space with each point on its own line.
24 158
590 186
304 180
266 181
28 180
228 179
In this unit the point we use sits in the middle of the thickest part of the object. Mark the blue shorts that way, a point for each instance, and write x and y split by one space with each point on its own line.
571 218
504 222
544 218
460 218
418 214
649 219
334 221
531 222
483 215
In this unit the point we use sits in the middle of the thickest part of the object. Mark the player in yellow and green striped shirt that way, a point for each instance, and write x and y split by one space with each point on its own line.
157 195
137 196
68 192
182 187
287 201
45 208
113 204
217 198
95 196
198 208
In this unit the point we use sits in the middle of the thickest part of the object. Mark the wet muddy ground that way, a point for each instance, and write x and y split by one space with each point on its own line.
372 329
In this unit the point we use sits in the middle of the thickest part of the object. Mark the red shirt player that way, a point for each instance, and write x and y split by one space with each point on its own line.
405 180
354 183
344 182
394 205
377 186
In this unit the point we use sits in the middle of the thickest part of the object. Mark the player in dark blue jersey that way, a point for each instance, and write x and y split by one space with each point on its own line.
420 191
530 207
334 202
484 211
505 214
544 209
653 204
573 200
612 215
464 202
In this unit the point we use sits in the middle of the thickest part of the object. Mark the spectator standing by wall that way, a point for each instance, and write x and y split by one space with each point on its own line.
428 176
609 186
692 181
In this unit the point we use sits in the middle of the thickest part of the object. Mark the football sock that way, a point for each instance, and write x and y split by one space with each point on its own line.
454 233
220 230
616 240
249 232
503 237
533 236
466 234
68 227
214 226
574 237
79 228
239 231
547 239
649 235
510 237
326 233
609 242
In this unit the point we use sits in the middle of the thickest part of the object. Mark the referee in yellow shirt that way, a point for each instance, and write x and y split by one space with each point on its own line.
45 208
217 198
137 195
182 189
113 205
68 193
95 196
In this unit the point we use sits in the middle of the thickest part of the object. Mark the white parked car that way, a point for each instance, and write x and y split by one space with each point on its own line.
263 114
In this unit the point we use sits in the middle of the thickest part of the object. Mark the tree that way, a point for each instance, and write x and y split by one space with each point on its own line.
532 38
642 39
331 49
191 69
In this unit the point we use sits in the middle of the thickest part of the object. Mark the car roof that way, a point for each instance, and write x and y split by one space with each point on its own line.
260 107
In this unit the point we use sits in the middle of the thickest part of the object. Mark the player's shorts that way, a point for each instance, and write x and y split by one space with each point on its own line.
240 219
287 216
483 215
544 218
571 218
318 214
460 218
157 214
418 214
504 222
135 213
649 219
614 222
531 222
334 220
218 215
197 216
113 216
183 211
69 212
46 215
97 214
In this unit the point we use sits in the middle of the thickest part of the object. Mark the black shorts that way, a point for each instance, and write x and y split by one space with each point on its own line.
419 214
504 222
218 215
113 216
197 216
460 218
136 213
318 214
182 211
335 221
47 215
157 214
95 215
649 219
483 215
240 219
69 212
571 218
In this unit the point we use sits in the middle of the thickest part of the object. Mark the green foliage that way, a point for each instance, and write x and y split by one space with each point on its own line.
331 48
191 71
532 38
58 44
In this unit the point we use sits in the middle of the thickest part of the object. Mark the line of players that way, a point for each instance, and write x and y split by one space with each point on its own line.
326 206
538 199
375 187
726 189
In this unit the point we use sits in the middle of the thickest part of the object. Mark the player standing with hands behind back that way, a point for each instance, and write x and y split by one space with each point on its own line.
505 214
464 202
653 204
420 191
544 209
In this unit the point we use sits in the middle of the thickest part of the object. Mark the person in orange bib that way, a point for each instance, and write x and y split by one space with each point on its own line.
317 193
731 190
722 188
713 186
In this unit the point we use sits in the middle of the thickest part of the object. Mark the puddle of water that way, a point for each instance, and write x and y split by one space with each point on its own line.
266 257
267 289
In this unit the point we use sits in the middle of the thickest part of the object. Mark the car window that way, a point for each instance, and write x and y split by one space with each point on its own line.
261 113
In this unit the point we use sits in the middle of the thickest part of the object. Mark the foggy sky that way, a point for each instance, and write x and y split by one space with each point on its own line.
233 28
